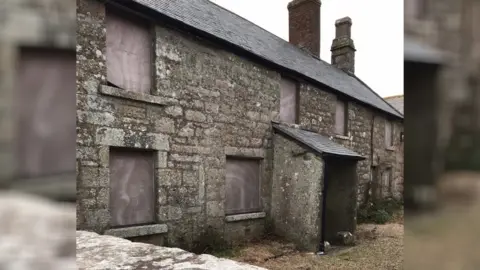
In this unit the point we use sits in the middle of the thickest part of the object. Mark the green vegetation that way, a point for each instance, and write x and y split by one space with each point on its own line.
379 211
211 242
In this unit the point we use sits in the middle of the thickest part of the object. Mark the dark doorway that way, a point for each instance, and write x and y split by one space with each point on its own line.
420 149
340 198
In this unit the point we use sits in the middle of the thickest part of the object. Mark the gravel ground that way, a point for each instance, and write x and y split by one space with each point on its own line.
449 238
378 247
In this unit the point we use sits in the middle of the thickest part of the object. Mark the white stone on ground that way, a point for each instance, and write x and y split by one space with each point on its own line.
36 233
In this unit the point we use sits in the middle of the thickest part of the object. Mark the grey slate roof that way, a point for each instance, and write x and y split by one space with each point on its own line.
215 20
317 142
396 102
415 51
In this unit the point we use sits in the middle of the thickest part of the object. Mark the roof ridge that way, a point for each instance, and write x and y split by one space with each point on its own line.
394 96
303 51
295 65
286 41
243 18
375 93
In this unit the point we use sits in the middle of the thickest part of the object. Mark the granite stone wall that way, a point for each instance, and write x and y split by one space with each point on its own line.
317 109
207 104
297 193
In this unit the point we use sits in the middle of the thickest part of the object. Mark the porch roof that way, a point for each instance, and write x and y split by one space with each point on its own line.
415 51
320 144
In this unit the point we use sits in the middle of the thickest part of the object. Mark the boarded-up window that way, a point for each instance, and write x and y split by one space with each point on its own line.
45 109
288 101
388 134
387 178
341 115
242 186
129 52
131 187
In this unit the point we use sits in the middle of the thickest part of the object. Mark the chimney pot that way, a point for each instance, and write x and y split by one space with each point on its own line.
343 27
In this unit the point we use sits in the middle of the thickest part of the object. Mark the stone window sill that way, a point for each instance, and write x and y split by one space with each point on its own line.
249 216
136 231
245 152
391 148
342 137
125 94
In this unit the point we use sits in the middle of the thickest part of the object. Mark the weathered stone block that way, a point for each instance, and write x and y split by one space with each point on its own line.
89 177
169 177
97 219
183 158
253 115
132 111
110 136
174 111
162 195
215 192
190 178
103 197
165 125
195 116
98 118
159 141
169 213
134 124
215 209
211 108
162 158
187 131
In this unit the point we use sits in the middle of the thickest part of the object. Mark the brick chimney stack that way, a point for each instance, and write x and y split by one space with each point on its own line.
304 24
343 50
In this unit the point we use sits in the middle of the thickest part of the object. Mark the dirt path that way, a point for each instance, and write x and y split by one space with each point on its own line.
378 247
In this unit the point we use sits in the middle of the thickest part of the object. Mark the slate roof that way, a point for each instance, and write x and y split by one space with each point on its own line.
396 102
316 142
210 18
415 51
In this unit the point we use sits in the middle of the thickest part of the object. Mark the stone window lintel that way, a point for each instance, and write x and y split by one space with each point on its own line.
254 153
125 94
248 216
135 231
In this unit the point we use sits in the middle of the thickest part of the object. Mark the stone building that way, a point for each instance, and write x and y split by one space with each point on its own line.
194 123
396 102
442 43
37 86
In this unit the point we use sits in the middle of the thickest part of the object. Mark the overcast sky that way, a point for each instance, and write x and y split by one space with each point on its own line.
377 32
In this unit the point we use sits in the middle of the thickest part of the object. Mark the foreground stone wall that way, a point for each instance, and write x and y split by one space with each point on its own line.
107 252
48 245
207 104
296 193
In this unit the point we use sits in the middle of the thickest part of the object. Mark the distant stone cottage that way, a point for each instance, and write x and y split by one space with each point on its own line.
192 119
